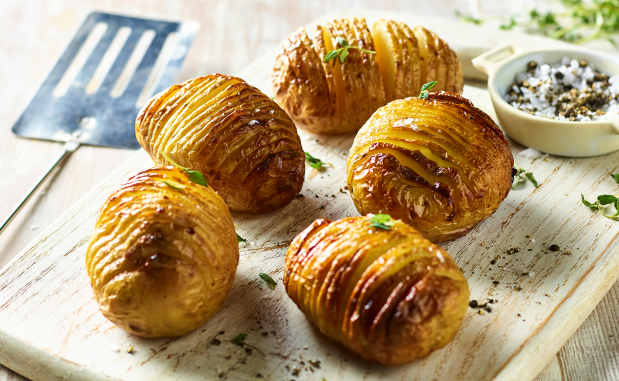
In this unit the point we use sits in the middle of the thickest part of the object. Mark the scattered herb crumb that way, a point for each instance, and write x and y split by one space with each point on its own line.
239 339
216 342
512 250
554 248
495 282
300 196
269 281
130 349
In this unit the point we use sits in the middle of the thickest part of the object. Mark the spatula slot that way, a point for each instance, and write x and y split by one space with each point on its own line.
108 59
80 59
134 61
167 50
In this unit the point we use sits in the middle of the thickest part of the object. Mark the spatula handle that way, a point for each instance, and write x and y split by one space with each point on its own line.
68 148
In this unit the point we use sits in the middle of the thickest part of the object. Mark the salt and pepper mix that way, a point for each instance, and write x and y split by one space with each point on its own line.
572 90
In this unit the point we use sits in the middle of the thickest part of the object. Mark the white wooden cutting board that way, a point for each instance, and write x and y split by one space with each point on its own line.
51 329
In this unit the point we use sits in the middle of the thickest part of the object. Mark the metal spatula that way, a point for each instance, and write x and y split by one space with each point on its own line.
111 68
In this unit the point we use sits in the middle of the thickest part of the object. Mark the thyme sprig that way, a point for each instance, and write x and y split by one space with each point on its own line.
522 176
342 52
425 89
194 176
582 21
314 162
604 200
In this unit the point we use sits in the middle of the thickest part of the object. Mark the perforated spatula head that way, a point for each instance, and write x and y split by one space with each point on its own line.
109 71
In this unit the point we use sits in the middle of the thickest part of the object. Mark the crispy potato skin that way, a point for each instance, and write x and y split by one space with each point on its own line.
440 165
243 143
391 296
161 261
329 99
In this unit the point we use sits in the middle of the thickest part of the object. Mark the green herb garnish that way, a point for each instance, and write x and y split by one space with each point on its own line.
522 176
173 186
314 162
269 281
582 21
239 339
425 89
603 200
616 177
382 221
343 51
194 176
238 237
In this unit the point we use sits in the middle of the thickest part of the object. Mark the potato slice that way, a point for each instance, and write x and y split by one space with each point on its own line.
402 87
441 60
415 58
386 52
428 52
375 92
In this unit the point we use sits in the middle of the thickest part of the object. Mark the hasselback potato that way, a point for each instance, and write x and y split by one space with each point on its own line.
334 97
245 145
163 254
386 293
440 165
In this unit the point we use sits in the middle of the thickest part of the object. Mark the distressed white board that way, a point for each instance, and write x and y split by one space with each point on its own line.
51 329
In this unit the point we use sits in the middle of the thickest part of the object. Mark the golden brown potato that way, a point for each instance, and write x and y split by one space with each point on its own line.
440 165
246 146
386 293
163 254
325 98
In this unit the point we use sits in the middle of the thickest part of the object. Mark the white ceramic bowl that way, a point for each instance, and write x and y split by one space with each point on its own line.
563 138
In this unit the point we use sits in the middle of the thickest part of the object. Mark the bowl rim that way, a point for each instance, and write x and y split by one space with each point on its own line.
520 53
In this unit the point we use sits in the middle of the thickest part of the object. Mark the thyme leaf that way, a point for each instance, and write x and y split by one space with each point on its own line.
314 162
342 52
382 221
194 176
521 178
269 281
239 238
425 89
615 176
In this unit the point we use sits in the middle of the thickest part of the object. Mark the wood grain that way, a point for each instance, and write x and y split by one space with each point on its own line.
34 35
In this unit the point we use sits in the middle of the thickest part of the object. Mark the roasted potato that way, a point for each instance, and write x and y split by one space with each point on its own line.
163 254
440 165
245 145
327 98
379 288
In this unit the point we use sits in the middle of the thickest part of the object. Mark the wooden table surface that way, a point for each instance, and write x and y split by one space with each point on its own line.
34 33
